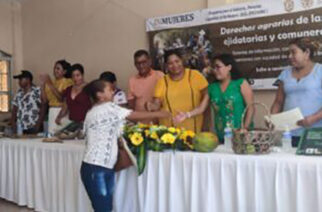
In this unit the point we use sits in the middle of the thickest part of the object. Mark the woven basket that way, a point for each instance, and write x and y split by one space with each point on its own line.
257 141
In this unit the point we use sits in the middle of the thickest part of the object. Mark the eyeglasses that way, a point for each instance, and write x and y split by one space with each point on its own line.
217 67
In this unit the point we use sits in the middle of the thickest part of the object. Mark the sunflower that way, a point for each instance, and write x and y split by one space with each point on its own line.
136 139
154 135
187 134
168 138
190 133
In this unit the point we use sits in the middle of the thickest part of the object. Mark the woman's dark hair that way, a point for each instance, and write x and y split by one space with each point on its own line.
306 43
66 67
170 53
108 76
228 59
77 67
93 87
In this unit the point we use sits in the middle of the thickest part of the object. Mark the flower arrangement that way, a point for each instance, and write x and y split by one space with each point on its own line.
143 137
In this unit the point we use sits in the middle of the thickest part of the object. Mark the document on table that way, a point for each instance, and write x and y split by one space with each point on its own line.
286 119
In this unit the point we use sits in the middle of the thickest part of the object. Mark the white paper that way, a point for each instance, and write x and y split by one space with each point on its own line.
287 119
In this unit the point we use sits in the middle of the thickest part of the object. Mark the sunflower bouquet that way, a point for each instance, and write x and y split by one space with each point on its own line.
143 137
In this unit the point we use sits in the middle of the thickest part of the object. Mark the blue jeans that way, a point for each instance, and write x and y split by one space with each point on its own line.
99 184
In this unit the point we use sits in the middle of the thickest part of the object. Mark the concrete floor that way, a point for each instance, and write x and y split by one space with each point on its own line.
6 206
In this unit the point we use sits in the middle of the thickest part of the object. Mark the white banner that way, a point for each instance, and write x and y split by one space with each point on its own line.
242 11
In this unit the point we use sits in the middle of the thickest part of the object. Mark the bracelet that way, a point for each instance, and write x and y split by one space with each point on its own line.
188 115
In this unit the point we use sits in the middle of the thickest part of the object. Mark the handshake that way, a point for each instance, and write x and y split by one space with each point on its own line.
153 106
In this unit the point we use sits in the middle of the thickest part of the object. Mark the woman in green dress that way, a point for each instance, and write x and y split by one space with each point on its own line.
229 96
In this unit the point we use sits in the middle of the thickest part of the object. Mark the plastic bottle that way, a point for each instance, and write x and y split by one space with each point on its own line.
228 135
19 128
45 126
287 140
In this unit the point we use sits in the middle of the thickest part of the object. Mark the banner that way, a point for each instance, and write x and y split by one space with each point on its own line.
257 34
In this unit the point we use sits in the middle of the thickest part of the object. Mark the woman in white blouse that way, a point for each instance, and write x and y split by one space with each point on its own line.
103 125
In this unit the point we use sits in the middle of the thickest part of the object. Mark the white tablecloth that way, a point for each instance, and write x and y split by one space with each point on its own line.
43 176
224 182
46 177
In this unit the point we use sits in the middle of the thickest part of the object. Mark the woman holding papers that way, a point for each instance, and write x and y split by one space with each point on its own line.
300 85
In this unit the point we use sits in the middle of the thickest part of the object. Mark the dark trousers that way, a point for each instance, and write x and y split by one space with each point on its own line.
99 184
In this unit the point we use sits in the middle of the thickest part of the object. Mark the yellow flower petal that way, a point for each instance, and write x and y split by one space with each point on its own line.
154 135
136 139
146 132
190 133
168 138
141 125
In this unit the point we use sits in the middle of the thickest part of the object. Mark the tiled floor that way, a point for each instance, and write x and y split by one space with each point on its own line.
6 206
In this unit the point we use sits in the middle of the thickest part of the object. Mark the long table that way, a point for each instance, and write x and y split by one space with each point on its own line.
43 176
223 181
46 177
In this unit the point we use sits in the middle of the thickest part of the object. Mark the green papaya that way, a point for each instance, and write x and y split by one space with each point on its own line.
205 142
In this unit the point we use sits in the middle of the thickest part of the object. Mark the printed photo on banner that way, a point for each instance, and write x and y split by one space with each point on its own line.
193 44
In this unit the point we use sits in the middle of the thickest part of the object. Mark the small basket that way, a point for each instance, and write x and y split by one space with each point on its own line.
257 141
